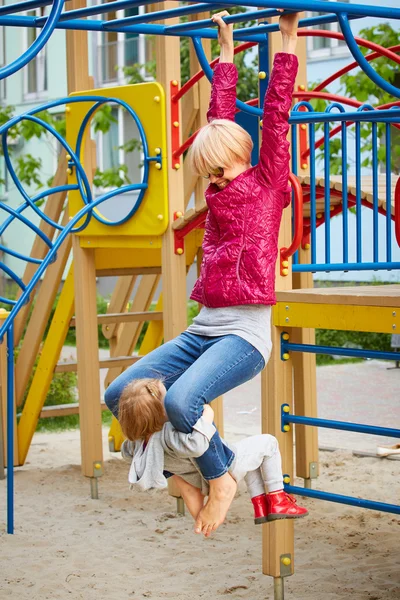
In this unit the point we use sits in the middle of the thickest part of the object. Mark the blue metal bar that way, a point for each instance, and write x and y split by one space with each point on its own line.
36 261
370 266
28 223
242 17
38 44
164 14
105 7
9 9
10 428
354 352
375 175
209 73
359 57
295 158
43 194
340 499
323 6
8 301
13 275
345 216
340 425
358 194
313 197
97 25
327 193
388 167
308 22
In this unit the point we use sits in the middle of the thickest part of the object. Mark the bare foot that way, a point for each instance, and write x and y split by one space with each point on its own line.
222 492
191 495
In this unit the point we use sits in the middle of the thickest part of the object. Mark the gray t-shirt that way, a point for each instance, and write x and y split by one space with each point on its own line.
252 322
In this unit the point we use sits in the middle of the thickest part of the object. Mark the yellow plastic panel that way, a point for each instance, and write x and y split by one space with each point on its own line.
379 319
148 102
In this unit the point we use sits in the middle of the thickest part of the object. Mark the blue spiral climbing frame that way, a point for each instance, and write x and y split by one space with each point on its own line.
340 12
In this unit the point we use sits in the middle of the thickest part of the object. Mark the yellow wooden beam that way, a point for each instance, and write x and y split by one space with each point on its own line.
45 368
379 319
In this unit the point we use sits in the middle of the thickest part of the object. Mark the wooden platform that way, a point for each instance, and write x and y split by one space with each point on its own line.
358 308
359 295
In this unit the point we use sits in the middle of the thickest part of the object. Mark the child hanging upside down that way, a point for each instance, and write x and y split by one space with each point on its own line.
156 451
229 342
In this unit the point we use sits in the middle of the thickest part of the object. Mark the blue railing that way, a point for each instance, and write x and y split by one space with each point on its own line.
287 418
381 246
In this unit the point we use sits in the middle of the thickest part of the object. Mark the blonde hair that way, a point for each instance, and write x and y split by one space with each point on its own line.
141 409
221 143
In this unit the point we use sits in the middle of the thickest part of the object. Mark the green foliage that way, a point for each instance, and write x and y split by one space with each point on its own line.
367 341
28 170
356 84
103 119
113 178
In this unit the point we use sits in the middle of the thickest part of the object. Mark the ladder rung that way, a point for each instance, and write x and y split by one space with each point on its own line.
126 317
106 363
63 410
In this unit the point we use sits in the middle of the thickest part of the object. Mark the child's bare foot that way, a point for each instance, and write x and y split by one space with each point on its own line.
222 492
191 495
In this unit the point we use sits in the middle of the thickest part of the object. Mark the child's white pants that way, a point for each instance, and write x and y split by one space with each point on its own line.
258 462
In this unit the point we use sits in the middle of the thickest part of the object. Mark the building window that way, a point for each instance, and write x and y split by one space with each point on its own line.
115 146
115 50
323 47
36 70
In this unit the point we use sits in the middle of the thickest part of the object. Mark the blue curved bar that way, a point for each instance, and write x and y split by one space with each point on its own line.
27 222
36 261
251 110
126 188
38 44
7 301
13 276
359 57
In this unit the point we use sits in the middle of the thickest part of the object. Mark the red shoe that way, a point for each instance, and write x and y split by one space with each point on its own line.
260 509
283 506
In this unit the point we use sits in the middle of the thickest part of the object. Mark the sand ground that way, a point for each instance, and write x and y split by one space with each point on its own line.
132 545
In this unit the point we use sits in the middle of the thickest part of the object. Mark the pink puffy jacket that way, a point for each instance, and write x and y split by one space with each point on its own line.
241 236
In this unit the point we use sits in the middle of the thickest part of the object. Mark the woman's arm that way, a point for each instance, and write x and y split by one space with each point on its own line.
223 86
274 162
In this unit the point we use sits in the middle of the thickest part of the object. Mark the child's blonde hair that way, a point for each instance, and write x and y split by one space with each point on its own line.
220 144
141 409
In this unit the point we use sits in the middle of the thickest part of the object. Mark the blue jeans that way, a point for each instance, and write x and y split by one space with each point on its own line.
195 370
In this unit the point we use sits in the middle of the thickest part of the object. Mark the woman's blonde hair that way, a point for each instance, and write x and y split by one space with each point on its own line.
221 143
141 409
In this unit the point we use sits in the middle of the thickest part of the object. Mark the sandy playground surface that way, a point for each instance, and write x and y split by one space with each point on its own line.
131 545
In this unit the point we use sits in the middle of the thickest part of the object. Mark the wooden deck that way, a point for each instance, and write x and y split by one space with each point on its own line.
362 295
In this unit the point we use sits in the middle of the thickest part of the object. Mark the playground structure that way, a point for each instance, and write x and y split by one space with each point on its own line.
159 239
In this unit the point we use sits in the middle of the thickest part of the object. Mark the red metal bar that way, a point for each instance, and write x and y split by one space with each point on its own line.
175 125
339 36
397 211
180 234
285 253
350 67
189 84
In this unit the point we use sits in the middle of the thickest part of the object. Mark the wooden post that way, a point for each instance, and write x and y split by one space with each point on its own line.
173 265
276 389
304 363
85 289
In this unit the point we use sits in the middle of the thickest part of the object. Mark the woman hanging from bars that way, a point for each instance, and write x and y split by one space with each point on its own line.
229 341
